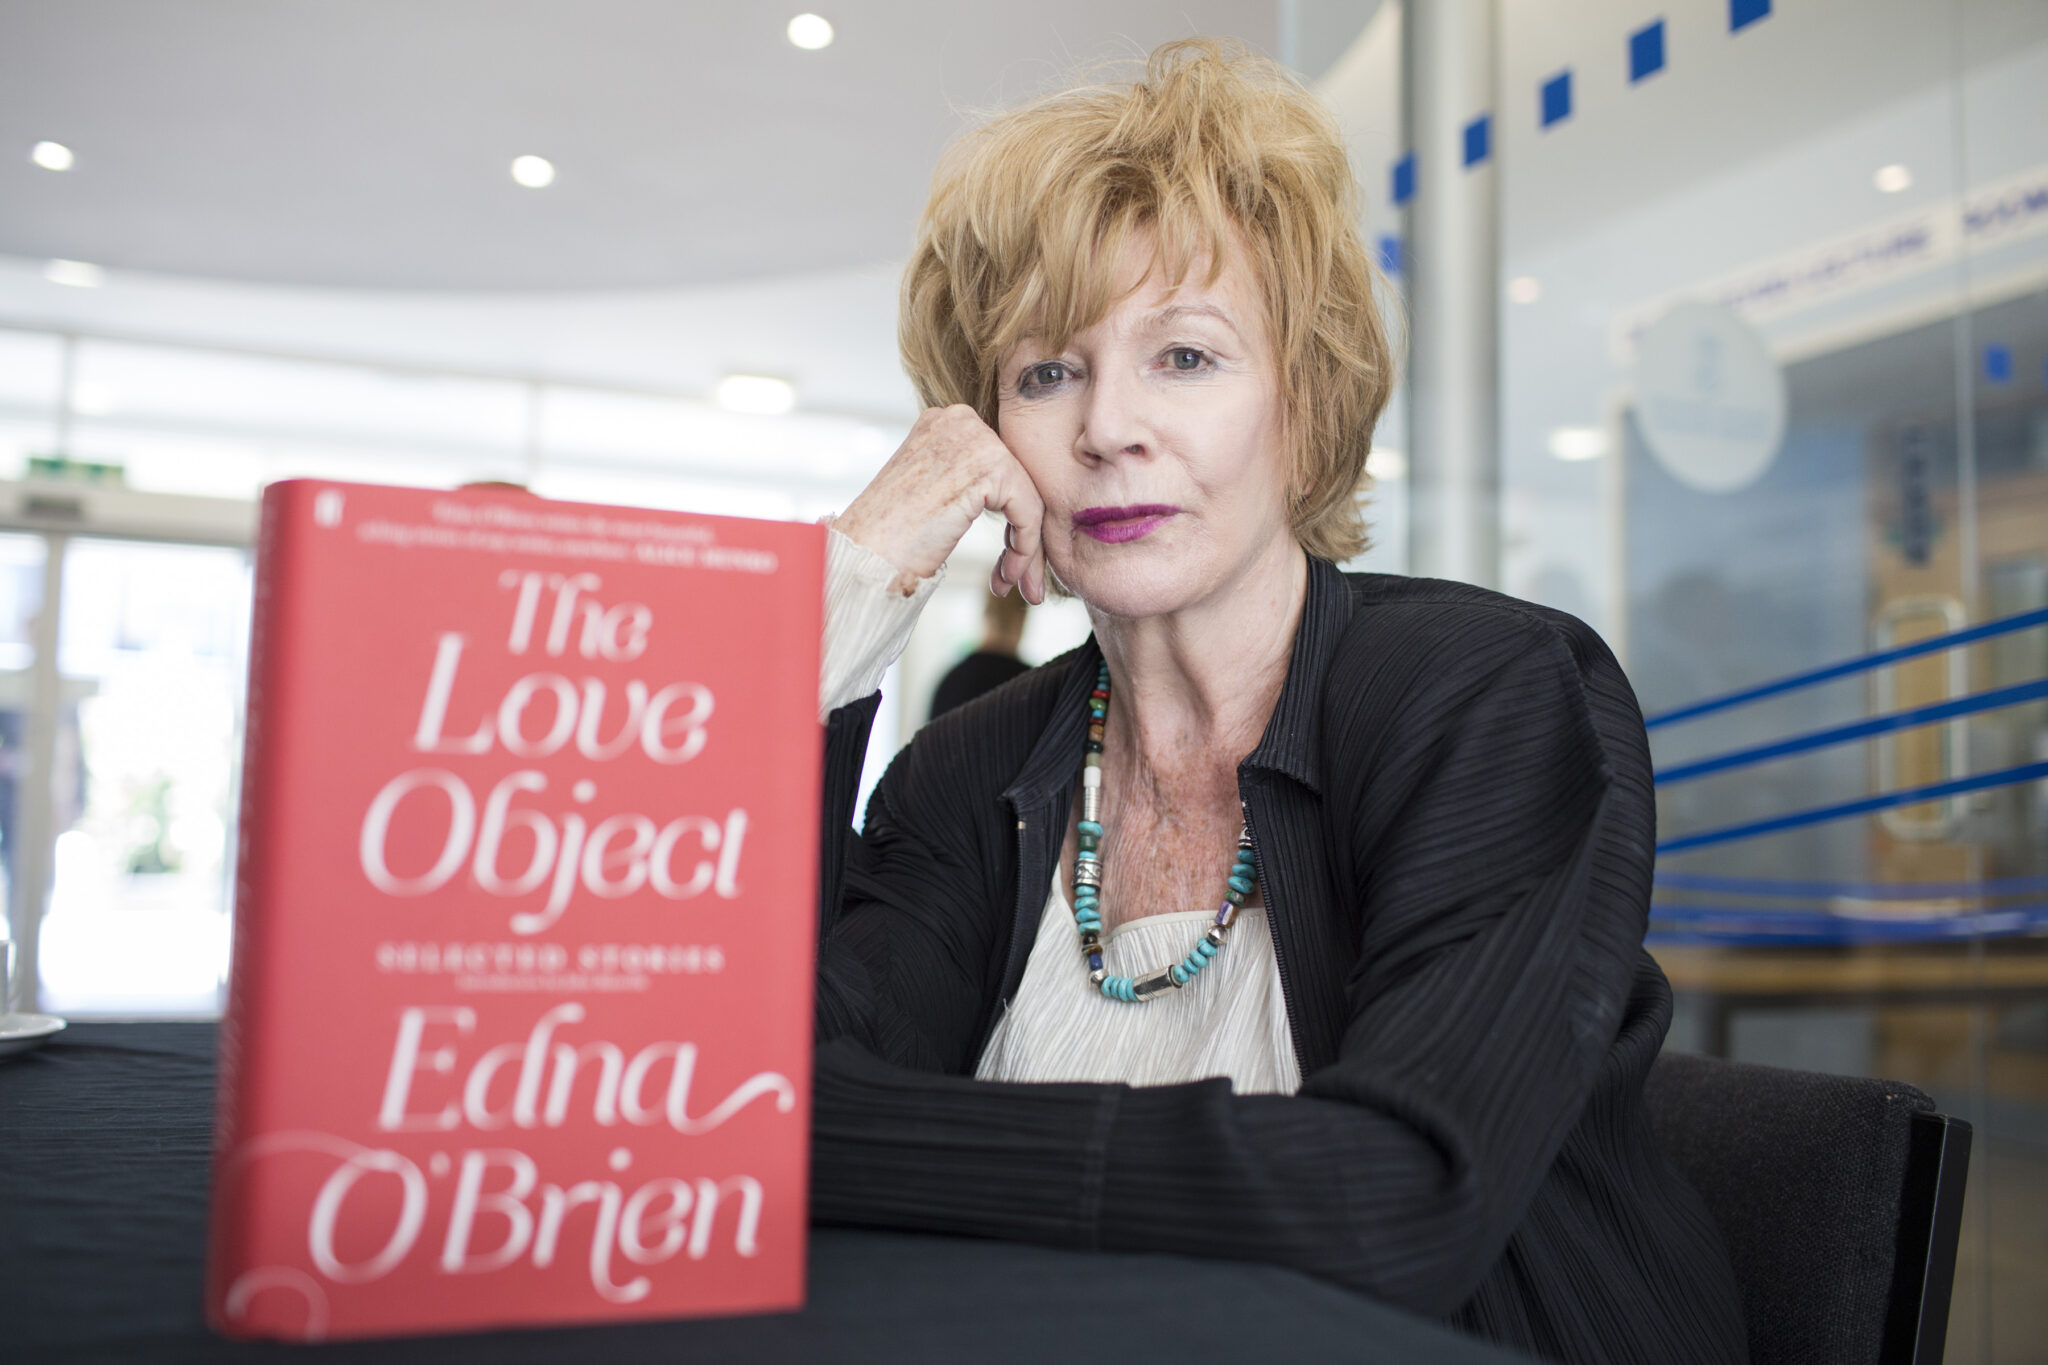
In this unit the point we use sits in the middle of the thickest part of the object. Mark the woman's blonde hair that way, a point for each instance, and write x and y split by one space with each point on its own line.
1029 214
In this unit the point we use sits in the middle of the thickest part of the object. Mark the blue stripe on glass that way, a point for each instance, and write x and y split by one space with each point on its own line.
1998 363
1861 729
1646 51
1390 253
1404 179
1910 796
2005 625
1478 139
1743 13
1555 98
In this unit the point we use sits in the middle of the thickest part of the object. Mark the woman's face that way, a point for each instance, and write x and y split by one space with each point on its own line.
1156 440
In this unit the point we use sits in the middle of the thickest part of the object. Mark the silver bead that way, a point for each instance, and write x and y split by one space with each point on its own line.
1215 936
1099 975
1088 874
1154 983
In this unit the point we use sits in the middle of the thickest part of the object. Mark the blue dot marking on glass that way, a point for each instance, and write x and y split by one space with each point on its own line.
1390 253
1743 13
1556 101
1997 363
1646 51
1478 139
1404 179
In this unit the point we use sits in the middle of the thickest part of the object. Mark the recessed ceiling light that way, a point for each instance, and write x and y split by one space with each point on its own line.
51 156
756 393
810 32
79 273
534 172
1578 443
1892 179
1525 289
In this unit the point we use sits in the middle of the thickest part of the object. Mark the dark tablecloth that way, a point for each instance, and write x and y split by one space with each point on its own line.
103 1171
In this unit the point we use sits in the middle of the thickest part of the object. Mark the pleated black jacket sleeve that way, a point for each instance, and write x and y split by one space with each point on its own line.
1499 836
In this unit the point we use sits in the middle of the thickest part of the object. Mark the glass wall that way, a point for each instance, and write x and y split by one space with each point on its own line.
1774 358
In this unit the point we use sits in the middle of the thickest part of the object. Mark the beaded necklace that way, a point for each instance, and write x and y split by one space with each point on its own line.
1088 880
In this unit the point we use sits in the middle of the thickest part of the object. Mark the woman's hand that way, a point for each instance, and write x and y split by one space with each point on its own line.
948 471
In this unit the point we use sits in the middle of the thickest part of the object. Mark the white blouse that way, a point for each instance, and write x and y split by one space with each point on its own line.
1229 1021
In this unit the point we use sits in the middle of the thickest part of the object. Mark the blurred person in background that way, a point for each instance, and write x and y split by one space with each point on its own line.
1407 1051
994 662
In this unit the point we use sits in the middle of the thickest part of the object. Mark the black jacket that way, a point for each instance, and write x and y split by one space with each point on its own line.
1451 810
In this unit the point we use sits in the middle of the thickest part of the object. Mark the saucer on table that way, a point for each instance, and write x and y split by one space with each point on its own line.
20 1032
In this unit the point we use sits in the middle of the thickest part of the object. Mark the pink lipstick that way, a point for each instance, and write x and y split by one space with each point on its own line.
1115 525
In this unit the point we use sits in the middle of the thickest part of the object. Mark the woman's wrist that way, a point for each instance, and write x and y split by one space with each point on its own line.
868 620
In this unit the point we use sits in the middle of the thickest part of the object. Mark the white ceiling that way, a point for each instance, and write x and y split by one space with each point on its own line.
366 143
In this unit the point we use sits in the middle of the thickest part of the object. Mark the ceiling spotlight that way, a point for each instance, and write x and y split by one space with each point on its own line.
78 273
810 32
1892 179
51 156
1578 443
756 393
1525 289
534 172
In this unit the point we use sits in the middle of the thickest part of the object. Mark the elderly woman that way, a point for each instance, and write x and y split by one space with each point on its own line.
1298 915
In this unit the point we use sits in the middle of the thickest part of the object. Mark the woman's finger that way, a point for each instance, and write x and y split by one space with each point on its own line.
1016 497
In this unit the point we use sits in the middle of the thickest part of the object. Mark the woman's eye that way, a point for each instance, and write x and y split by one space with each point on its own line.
1044 376
1185 358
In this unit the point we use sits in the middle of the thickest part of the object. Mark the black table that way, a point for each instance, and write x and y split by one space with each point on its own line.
103 1167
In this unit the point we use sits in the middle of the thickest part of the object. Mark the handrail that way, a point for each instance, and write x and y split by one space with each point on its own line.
1819 925
1907 796
1987 889
2025 620
1862 729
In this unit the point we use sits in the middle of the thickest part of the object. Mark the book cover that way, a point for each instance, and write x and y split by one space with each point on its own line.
519 1019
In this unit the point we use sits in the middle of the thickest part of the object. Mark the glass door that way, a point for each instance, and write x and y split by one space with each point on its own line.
120 745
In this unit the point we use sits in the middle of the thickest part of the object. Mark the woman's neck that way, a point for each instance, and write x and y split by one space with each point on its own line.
1200 683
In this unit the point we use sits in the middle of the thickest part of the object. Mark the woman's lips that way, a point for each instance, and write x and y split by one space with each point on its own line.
1114 525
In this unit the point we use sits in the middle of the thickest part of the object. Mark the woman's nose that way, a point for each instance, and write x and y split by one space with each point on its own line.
1114 422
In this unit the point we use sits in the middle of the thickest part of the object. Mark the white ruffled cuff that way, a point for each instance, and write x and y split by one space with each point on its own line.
867 622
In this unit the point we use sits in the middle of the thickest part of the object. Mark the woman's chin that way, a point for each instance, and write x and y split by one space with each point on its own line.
1133 588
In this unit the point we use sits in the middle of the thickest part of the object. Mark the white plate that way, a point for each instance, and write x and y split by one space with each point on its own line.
20 1032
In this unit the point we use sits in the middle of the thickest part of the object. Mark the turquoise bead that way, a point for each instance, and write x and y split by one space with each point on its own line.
1241 885
1091 827
1179 976
1206 949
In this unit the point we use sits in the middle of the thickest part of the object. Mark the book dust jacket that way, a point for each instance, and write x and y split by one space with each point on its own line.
519 1022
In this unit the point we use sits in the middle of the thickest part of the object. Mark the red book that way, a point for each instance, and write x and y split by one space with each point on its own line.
519 1023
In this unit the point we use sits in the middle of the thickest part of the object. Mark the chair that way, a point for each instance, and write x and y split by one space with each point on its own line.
1840 1198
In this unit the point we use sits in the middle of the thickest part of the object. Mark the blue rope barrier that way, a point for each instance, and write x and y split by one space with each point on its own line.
1910 796
1861 729
1868 891
2026 620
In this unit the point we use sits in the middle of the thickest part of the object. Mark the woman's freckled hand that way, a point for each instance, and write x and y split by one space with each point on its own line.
950 469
